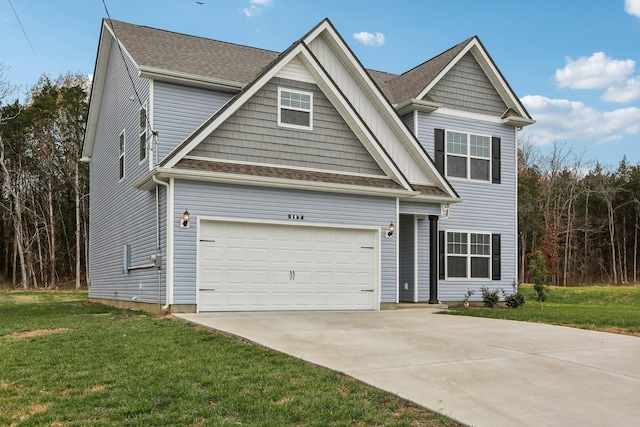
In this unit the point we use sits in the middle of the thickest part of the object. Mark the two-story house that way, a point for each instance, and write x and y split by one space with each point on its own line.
229 178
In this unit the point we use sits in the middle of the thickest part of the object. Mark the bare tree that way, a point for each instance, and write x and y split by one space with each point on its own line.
6 90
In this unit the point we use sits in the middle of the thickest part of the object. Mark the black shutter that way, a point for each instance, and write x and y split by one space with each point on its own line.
495 159
439 138
441 274
496 272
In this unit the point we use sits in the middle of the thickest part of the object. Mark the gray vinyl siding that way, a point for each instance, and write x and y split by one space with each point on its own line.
119 214
485 207
252 134
406 234
467 88
271 204
179 110
408 120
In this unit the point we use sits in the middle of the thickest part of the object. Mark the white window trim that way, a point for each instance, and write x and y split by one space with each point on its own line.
122 157
310 110
468 255
468 157
145 131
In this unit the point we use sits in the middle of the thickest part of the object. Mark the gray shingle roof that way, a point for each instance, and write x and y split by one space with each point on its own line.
197 56
303 175
286 173
409 84
213 59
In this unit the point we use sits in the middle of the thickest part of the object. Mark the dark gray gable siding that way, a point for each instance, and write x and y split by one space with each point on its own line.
179 110
119 214
252 134
466 87
234 202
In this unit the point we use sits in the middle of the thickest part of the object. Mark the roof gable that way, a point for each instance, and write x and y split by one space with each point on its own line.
397 140
467 88
252 135
411 83
163 55
418 83
299 52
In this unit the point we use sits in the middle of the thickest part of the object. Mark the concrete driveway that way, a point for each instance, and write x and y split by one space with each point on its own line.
481 372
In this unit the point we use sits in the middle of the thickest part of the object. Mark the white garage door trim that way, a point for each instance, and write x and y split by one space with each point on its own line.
208 298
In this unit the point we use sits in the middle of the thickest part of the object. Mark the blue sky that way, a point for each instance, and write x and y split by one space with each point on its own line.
574 64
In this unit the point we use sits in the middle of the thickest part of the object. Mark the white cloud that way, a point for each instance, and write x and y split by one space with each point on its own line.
629 91
564 120
632 7
369 39
596 71
256 6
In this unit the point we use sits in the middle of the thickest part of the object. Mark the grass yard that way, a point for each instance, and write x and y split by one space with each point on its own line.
602 308
67 362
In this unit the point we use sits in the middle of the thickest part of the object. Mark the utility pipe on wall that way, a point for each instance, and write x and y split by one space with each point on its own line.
158 182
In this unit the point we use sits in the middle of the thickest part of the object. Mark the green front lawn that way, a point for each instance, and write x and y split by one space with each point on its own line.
67 362
603 308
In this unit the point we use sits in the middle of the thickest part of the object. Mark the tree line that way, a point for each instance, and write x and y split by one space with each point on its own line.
43 186
585 219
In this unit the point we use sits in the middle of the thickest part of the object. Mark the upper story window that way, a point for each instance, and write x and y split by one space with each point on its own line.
121 159
468 156
295 109
143 133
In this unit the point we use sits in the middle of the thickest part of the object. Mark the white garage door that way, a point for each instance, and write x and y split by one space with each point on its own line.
251 267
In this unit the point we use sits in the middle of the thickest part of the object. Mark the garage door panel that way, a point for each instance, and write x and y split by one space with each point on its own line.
280 267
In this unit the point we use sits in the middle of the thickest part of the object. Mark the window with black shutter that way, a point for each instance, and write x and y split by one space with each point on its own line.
467 156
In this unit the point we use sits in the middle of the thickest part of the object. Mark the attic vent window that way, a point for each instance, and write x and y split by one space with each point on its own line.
295 109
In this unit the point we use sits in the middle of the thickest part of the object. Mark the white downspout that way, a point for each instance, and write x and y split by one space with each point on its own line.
157 181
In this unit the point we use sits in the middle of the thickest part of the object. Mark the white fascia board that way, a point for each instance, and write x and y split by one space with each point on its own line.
432 199
444 71
97 89
104 48
146 183
123 48
517 122
508 121
392 117
469 115
190 79
413 104
496 77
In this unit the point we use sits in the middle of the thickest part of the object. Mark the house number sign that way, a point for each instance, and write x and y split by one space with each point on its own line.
296 216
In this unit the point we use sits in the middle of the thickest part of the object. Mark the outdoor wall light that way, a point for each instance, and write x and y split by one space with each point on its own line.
444 210
184 223
390 230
